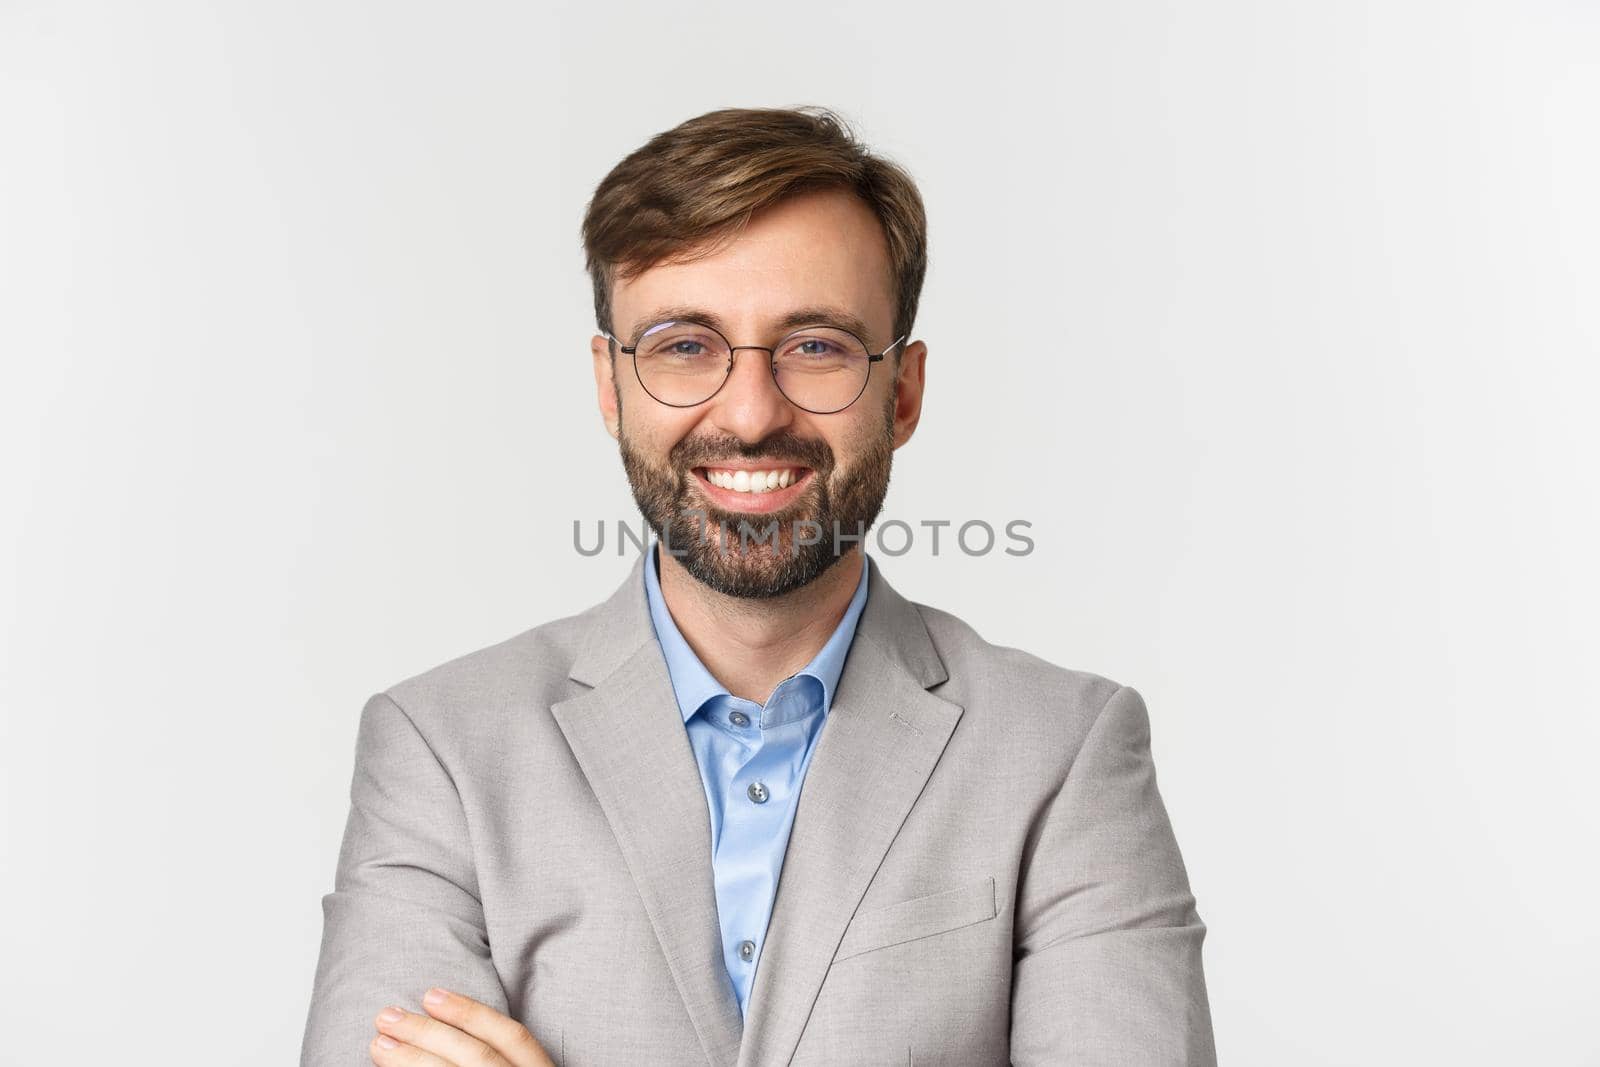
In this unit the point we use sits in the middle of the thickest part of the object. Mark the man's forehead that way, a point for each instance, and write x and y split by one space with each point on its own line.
736 303
762 293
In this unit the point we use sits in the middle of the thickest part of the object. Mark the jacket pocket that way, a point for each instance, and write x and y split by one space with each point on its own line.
909 920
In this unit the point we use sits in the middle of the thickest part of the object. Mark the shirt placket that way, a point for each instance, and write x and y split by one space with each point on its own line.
754 806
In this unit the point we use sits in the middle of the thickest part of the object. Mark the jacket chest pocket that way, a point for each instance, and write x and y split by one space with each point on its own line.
919 917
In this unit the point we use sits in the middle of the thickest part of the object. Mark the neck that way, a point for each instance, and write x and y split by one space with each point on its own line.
751 645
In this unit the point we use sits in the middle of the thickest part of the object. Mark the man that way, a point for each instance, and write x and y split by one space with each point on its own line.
757 807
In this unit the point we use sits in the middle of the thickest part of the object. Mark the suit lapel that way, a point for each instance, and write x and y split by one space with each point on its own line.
628 736
883 736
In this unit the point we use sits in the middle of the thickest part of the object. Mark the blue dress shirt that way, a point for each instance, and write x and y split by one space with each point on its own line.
753 758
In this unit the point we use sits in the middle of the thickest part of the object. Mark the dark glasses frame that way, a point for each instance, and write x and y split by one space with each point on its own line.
772 365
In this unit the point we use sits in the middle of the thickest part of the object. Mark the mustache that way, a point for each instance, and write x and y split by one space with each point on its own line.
781 448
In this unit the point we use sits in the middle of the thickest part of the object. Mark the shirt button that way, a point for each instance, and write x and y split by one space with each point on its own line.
739 718
758 793
747 950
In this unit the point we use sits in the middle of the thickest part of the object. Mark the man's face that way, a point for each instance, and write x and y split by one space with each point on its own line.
816 250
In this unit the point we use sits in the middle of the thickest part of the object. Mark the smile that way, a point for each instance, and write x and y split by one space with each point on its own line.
753 488
752 481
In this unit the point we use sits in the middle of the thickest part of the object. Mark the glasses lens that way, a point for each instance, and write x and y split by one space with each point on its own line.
821 369
681 362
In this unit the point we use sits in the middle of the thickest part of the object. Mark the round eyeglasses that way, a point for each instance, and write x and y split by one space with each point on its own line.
821 369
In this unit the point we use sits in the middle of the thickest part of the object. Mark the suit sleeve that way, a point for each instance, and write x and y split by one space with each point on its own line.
1107 961
405 913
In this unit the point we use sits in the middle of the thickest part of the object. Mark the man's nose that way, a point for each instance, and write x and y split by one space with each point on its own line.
749 404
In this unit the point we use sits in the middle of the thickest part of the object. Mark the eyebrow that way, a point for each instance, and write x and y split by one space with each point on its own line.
815 315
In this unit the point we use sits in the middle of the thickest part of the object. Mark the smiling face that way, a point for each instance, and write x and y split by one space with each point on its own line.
748 461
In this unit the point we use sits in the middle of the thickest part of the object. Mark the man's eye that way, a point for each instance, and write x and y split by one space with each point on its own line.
813 348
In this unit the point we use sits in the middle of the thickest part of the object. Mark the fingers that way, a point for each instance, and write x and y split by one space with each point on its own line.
390 1051
407 1039
503 1034
457 1031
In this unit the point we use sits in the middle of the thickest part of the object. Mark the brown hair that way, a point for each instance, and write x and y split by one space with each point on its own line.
701 181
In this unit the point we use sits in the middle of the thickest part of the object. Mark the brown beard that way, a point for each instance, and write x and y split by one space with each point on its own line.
738 554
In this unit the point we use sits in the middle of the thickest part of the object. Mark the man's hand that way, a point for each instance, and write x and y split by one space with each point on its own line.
456 1032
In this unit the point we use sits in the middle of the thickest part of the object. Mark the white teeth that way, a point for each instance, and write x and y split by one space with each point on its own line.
744 481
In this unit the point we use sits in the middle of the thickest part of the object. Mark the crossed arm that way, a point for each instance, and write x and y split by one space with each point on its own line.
1107 967
405 906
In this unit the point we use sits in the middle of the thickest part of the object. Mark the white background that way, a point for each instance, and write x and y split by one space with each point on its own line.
1277 321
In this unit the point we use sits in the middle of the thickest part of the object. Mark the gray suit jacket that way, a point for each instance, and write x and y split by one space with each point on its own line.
980 871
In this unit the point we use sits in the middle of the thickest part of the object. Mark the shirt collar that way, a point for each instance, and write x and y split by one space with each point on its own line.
694 685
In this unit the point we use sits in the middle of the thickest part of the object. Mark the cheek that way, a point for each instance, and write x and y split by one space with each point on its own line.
652 428
847 447
660 437
864 434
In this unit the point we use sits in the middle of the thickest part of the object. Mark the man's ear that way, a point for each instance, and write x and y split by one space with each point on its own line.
908 392
605 383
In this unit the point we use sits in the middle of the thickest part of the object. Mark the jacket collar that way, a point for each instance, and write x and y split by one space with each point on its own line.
621 623
694 684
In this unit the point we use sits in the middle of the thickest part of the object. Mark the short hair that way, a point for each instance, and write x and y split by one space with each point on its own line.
701 181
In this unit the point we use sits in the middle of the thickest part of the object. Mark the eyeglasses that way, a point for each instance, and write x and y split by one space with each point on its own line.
820 369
